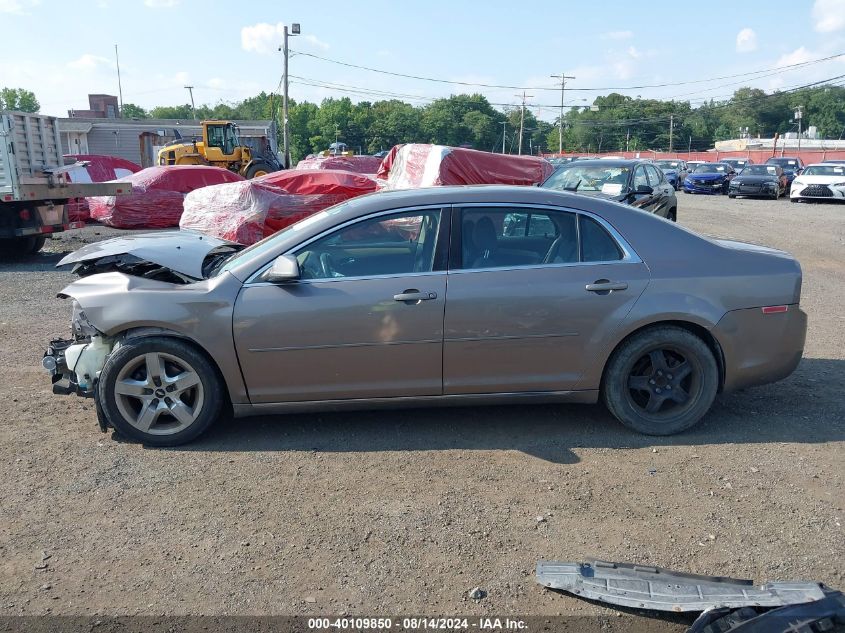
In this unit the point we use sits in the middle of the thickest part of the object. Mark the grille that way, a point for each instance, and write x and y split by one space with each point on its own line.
817 191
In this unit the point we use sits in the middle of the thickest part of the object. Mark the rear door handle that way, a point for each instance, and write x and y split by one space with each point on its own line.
413 296
604 286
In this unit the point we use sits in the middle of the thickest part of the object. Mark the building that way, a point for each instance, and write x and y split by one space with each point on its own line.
99 107
139 140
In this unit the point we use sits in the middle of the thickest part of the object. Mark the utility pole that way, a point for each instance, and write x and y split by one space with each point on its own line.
504 134
563 77
294 30
522 120
671 130
799 114
190 90
627 138
119 87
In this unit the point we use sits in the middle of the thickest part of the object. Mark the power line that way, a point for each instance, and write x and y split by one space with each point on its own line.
778 69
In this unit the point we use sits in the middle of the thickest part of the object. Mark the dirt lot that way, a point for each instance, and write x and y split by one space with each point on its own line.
405 512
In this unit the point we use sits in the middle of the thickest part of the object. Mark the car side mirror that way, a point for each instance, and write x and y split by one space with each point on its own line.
644 189
285 269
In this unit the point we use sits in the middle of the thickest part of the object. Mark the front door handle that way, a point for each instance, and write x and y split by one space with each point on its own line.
413 295
604 286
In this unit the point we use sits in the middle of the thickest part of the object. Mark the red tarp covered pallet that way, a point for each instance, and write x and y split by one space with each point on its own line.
97 169
359 164
246 212
157 196
422 165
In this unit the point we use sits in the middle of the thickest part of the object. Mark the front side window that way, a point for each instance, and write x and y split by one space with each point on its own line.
393 244
640 179
654 176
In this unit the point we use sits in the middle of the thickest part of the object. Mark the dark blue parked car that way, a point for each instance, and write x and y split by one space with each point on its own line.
709 178
675 170
792 167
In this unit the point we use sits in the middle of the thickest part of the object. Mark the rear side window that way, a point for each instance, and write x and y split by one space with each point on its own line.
596 243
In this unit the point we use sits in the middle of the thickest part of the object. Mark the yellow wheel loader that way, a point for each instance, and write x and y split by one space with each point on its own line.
220 146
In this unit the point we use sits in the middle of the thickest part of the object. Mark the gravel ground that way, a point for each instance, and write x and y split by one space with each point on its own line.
405 512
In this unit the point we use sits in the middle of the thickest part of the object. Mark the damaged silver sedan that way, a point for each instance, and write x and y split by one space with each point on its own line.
441 296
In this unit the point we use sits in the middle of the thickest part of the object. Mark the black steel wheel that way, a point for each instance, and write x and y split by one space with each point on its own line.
661 381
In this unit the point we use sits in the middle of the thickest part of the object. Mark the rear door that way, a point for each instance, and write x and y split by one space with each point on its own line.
663 192
530 297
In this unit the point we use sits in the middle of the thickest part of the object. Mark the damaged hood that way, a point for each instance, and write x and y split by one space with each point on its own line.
180 251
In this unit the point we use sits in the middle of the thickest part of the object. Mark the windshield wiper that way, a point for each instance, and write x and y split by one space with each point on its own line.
575 188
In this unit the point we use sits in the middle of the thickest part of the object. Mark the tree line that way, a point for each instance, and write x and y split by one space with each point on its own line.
613 122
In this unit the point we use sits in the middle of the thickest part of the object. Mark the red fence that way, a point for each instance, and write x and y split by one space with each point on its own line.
757 155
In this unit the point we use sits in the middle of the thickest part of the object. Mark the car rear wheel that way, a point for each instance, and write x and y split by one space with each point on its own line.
661 381
159 391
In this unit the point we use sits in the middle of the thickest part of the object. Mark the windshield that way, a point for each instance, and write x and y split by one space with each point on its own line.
783 162
760 170
711 168
610 179
668 164
825 170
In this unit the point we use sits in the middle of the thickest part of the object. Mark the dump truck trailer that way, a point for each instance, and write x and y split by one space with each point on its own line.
34 183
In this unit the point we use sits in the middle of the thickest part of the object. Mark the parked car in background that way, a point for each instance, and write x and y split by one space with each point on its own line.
737 163
675 171
792 166
759 180
711 178
630 181
820 181
419 297
692 164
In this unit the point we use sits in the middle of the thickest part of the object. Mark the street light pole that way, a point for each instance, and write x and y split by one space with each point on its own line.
504 134
799 114
563 77
294 30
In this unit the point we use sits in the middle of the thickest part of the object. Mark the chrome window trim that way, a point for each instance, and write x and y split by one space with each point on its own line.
629 255
253 281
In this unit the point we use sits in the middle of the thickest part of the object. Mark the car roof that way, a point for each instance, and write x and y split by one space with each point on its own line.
614 162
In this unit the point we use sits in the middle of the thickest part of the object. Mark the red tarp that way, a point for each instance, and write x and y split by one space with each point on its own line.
246 212
157 196
421 165
358 164
98 169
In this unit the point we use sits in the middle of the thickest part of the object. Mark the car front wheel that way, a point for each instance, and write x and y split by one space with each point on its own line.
159 391
661 381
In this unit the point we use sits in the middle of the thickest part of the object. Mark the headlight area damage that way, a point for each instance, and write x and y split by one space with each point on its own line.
75 363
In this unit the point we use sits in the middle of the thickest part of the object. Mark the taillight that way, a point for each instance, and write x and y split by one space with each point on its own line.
23 214
774 309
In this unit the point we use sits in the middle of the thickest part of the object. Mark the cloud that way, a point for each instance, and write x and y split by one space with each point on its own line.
617 35
829 15
746 41
798 56
17 7
216 83
161 4
261 38
89 62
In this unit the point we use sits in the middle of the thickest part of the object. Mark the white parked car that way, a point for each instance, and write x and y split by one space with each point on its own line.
821 181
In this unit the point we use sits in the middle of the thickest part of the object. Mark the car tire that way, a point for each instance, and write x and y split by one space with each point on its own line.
661 381
159 391
16 247
673 214
731 195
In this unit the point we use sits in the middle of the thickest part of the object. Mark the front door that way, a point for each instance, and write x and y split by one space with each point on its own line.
365 320
529 302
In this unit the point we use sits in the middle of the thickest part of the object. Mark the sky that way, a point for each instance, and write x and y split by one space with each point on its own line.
62 49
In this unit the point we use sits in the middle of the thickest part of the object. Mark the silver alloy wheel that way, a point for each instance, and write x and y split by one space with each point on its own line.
159 393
